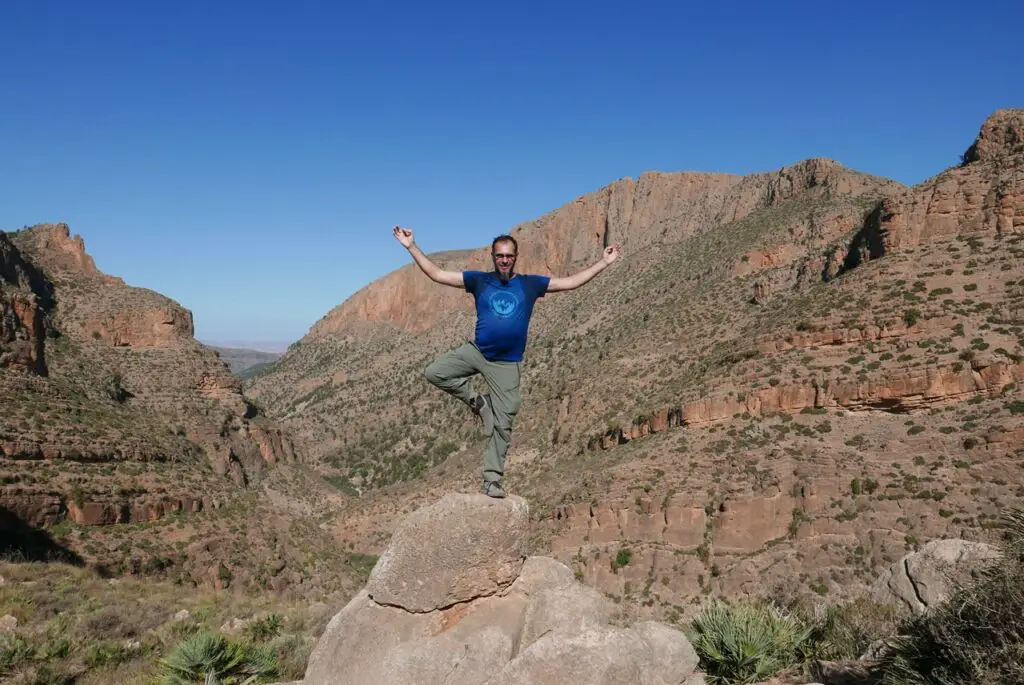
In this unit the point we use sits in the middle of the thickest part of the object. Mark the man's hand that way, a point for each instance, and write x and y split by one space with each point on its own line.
436 274
611 253
404 236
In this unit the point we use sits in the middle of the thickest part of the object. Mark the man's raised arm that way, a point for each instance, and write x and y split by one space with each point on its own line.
576 280
436 273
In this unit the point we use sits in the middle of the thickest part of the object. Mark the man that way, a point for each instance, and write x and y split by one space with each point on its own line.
504 304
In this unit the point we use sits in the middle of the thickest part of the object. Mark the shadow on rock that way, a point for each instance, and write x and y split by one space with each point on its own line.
21 542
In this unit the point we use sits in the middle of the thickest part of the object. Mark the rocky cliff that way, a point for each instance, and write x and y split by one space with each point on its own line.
25 298
983 196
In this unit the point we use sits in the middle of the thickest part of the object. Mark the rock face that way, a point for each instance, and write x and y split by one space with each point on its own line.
925 578
983 196
102 307
58 252
25 295
464 605
898 392
160 326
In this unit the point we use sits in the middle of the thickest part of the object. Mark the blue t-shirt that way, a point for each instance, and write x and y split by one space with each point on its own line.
503 312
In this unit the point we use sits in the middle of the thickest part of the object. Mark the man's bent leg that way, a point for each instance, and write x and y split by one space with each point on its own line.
503 383
451 371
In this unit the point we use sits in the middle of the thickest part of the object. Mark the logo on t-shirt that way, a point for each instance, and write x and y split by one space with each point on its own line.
504 304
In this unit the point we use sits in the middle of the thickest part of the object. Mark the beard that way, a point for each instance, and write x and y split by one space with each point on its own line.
504 276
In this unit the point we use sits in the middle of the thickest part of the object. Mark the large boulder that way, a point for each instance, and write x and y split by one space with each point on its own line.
455 600
458 549
927 577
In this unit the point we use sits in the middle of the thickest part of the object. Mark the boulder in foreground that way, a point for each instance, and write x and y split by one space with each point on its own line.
455 600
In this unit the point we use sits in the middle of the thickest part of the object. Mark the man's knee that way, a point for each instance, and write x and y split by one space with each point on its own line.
505 415
432 374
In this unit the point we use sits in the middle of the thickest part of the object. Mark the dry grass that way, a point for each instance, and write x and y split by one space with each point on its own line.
74 624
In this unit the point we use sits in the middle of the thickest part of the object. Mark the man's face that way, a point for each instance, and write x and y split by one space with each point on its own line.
504 256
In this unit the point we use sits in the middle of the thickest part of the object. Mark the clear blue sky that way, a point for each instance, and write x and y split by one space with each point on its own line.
248 159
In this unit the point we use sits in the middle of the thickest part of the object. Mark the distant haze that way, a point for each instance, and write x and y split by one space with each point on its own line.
257 345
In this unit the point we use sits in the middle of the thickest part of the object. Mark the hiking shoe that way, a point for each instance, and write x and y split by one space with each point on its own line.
482 408
493 489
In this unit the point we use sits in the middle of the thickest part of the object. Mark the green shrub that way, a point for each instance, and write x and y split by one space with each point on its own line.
745 642
977 636
208 658
14 651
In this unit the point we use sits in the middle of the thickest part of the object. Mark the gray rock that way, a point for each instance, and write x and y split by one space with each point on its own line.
557 601
483 614
356 639
603 655
927 577
669 650
234 626
458 549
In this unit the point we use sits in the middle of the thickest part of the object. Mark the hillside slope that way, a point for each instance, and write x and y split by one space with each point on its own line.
131 444
787 380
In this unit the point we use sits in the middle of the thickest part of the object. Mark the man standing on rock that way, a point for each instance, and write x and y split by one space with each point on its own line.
504 304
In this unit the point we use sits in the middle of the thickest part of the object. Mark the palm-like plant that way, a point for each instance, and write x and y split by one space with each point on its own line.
213 660
745 643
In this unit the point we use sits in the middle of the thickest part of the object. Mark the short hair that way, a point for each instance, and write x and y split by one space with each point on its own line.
505 239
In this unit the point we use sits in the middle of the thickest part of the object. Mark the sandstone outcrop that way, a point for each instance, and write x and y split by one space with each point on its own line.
58 253
40 510
985 195
25 296
96 306
925 578
483 613
900 391
160 326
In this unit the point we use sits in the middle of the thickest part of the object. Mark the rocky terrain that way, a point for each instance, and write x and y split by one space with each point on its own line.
131 445
789 380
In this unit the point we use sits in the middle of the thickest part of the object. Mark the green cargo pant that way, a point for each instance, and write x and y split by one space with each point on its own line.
451 372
